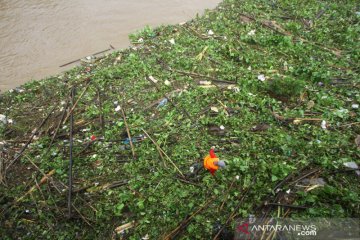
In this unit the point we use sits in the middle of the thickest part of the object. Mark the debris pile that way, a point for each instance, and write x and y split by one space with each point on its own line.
272 86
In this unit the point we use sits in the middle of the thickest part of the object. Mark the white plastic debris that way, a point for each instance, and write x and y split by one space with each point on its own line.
323 124
222 127
237 177
191 169
146 237
3 119
288 191
214 109
118 108
236 89
10 121
261 77
162 103
205 82
210 32
167 83
153 79
251 33
172 41
353 165
355 106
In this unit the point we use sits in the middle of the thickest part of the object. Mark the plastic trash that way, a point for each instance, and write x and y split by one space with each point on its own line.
313 181
251 33
162 103
323 124
134 139
261 77
118 108
3 119
353 165
212 162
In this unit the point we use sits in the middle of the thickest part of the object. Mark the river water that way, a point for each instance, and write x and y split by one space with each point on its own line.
37 36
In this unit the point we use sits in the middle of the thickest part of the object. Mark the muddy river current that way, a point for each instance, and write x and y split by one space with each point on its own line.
37 36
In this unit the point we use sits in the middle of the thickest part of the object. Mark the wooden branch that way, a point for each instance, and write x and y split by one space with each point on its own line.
128 132
18 156
77 101
160 150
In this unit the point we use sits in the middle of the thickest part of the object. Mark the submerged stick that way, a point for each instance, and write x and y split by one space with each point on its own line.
162 151
79 59
187 220
71 153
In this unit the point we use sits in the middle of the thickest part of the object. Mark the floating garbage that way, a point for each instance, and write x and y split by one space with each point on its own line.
162 103
261 77
260 127
3 119
167 83
134 139
353 165
323 124
251 33
88 59
313 181
118 108
153 79
214 109
212 162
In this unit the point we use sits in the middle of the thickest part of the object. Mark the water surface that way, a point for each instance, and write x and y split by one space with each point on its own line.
37 36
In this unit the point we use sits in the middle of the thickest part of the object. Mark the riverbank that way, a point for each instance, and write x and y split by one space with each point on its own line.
274 87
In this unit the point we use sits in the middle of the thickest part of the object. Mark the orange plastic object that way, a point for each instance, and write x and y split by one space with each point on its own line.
209 162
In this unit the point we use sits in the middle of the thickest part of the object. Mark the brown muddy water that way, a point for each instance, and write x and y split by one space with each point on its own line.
37 36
